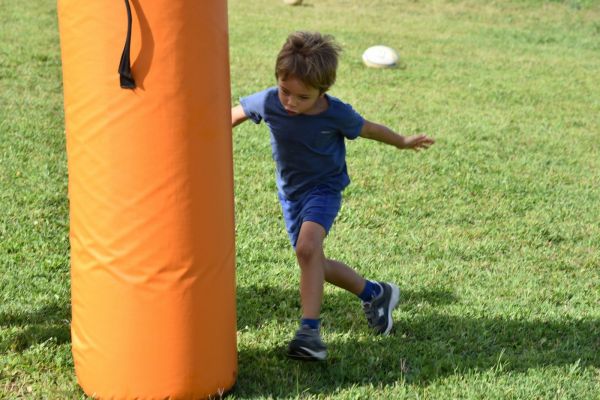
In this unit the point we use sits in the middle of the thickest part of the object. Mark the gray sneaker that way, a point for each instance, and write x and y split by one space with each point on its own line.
379 310
307 345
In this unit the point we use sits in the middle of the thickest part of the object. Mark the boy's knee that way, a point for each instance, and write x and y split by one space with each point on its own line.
306 250
310 242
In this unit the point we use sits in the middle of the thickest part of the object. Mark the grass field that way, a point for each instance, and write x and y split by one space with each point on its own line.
493 234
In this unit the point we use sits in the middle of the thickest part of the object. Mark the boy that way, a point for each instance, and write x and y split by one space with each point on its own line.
308 128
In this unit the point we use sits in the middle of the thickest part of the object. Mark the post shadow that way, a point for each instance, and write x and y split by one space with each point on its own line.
51 321
425 346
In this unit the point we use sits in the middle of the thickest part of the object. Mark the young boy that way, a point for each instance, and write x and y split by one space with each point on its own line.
308 128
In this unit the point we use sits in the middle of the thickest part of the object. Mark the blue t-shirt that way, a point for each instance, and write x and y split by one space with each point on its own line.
308 150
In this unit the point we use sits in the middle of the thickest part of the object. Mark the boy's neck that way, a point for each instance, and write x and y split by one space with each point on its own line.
321 105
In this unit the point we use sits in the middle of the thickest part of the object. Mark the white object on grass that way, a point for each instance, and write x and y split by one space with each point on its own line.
380 57
293 2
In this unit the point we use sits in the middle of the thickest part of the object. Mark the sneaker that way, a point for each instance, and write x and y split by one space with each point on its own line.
379 309
307 345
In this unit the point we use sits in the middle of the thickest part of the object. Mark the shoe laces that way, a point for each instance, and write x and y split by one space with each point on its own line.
307 331
370 312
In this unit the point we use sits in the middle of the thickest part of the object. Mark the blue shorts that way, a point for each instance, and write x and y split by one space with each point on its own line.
320 205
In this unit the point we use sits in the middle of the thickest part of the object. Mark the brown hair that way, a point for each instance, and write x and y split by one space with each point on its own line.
309 57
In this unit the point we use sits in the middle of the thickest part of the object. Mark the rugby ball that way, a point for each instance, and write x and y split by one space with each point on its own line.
380 57
293 2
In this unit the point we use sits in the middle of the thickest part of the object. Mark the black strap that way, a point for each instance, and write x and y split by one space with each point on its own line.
127 81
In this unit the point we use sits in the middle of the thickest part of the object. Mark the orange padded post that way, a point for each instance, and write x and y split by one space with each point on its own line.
151 197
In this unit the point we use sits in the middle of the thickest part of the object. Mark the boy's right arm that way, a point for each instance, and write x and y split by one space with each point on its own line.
237 115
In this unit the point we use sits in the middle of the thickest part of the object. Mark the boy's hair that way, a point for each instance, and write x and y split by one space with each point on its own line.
309 57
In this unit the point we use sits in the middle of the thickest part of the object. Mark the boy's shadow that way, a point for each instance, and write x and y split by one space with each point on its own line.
426 345
29 328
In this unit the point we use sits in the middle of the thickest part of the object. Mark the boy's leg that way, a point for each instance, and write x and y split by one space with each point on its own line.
307 344
310 256
341 275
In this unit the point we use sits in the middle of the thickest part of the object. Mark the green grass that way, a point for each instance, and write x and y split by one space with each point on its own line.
493 234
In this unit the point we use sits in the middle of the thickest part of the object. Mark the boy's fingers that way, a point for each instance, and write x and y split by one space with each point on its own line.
422 145
420 142
424 138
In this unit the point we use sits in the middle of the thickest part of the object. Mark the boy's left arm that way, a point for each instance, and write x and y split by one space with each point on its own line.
384 134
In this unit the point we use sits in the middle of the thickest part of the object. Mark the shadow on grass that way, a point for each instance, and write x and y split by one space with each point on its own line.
425 346
27 328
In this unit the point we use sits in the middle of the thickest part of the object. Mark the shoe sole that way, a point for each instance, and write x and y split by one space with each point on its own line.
393 304
305 354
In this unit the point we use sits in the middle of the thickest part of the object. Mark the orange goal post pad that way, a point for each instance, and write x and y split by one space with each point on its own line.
151 197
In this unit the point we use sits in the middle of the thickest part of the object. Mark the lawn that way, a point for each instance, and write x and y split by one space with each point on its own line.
493 234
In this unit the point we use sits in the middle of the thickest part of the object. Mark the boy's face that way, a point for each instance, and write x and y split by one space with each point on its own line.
298 98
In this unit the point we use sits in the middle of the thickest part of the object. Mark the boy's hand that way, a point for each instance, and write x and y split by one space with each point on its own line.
417 142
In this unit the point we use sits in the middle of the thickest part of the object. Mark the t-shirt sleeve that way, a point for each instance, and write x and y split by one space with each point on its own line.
350 122
254 106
